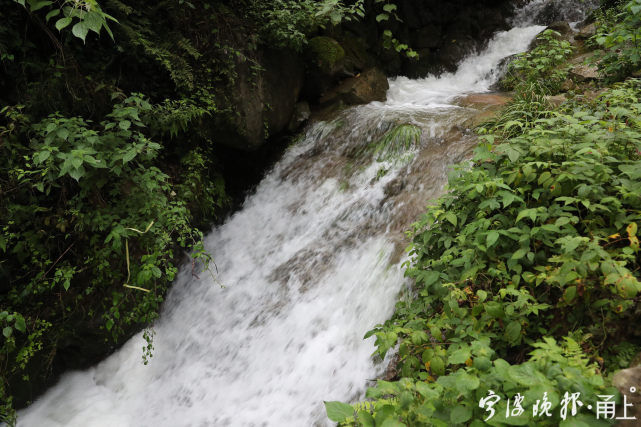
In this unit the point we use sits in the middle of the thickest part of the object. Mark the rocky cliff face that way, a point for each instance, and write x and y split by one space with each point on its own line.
349 65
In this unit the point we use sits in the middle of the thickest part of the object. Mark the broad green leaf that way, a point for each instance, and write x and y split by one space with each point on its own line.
391 422
338 411
451 217
39 5
569 294
366 419
382 17
51 14
460 414
437 366
513 331
520 253
492 237
62 23
20 324
459 356
80 30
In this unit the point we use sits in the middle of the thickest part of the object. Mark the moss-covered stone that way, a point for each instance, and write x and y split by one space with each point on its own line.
326 53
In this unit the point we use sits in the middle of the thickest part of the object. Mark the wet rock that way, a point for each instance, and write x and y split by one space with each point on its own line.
586 32
584 72
556 100
263 102
456 47
370 85
357 58
487 105
325 65
561 27
301 114
326 53
484 99
394 187
479 118
568 85
392 372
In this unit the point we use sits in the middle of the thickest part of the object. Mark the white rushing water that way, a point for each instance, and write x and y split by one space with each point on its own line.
309 264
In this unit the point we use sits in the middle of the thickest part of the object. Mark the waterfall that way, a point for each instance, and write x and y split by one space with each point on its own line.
307 266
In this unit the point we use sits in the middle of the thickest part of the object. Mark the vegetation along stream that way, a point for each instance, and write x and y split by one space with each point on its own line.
310 262
456 244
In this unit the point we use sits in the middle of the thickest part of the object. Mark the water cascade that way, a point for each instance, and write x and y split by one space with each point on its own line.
308 265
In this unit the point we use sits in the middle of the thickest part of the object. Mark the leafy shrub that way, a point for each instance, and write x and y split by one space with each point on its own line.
528 105
89 227
620 37
86 15
543 65
287 23
534 251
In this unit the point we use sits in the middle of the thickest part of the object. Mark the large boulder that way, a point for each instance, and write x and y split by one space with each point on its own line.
263 101
370 85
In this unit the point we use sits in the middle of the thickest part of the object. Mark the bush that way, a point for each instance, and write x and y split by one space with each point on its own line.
543 65
533 252
89 230
620 37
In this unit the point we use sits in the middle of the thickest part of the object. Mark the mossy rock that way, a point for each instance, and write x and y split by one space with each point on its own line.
326 53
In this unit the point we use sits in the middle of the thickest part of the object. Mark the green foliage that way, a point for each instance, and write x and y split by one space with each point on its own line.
89 228
543 65
287 23
87 15
534 251
528 105
388 10
619 35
